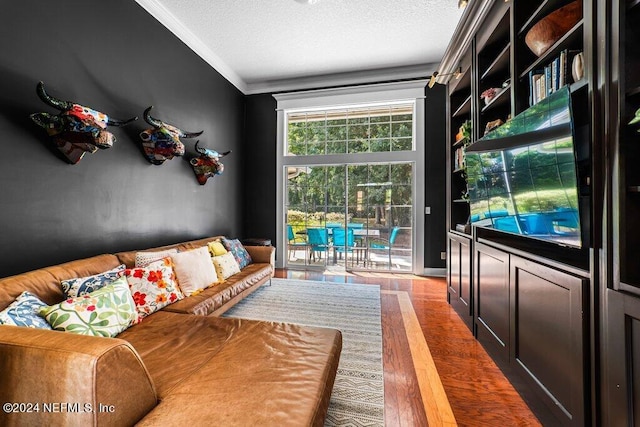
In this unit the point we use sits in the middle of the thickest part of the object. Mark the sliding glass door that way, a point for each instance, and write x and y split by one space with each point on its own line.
350 178
350 216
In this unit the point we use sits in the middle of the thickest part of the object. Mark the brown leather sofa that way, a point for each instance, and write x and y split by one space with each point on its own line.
177 367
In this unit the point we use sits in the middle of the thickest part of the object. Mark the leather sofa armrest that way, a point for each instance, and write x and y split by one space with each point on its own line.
74 379
263 254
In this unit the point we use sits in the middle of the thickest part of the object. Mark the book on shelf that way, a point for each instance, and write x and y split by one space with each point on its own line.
551 77
458 161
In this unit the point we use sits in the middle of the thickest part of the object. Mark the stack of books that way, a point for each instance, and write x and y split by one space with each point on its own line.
458 161
545 81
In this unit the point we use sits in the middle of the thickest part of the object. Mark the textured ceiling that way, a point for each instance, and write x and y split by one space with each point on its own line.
272 44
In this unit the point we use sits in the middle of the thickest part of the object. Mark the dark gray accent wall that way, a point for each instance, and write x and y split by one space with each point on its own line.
260 165
435 169
114 57
260 160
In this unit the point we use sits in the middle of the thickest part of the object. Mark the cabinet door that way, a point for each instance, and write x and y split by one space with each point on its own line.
548 327
460 278
491 279
621 360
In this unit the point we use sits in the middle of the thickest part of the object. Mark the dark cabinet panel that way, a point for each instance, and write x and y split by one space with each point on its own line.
491 277
460 288
621 373
548 327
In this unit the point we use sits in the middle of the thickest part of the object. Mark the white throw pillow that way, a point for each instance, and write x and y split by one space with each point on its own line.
226 266
143 259
194 270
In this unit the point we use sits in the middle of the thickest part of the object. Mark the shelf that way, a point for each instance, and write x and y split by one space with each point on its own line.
460 233
459 170
565 42
499 99
460 143
460 201
464 108
545 8
574 87
634 90
499 63
464 82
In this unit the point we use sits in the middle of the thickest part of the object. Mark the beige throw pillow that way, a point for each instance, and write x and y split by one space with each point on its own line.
226 266
194 270
143 259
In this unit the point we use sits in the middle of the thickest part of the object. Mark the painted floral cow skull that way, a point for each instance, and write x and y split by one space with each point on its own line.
207 164
162 142
76 130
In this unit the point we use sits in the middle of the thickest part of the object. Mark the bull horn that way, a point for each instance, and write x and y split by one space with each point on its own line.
200 150
55 103
190 134
153 122
116 122
225 153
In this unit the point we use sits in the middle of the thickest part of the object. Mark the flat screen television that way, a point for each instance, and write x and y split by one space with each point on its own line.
522 177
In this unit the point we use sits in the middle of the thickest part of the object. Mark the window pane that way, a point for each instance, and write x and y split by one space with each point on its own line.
353 130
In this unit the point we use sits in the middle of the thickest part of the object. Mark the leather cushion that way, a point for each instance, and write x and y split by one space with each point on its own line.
235 371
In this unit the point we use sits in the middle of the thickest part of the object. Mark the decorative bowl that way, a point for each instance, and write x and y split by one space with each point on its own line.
552 27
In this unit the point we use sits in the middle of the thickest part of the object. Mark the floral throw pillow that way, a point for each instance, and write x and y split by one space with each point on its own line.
239 252
153 287
84 285
102 313
24 312
145 258
226 266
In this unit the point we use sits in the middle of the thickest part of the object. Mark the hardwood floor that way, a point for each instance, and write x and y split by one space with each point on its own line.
478 394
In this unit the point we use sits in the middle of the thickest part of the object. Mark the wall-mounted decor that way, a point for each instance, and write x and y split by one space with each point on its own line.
207 164
76 130
162 142
636 118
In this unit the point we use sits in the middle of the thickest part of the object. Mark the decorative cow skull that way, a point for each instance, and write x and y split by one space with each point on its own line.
207 164
76 130
162 142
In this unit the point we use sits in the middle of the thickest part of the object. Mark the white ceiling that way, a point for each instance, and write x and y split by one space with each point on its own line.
279 45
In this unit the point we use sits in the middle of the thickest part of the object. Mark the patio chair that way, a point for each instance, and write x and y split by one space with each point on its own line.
386 245
318 240
292 244
343 242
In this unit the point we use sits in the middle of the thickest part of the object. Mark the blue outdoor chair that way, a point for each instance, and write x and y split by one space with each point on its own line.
343 242
318 240
292 243
387 245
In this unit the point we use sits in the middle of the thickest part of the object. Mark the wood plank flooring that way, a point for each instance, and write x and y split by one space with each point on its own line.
474 388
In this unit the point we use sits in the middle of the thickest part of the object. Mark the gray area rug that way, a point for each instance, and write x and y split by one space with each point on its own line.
358 393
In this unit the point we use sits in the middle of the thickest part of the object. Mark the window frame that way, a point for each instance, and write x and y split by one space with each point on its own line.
360 96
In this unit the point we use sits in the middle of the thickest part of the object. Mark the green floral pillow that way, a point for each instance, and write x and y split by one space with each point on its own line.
102 313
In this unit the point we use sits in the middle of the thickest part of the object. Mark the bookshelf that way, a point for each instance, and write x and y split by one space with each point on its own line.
627 200
483 266
493 58
460 100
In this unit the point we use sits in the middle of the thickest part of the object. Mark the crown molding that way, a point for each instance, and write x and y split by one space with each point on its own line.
469 23
420 71
166 18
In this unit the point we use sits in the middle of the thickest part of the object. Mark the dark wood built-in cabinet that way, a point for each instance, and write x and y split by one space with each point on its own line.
540 309
459 279
619 28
